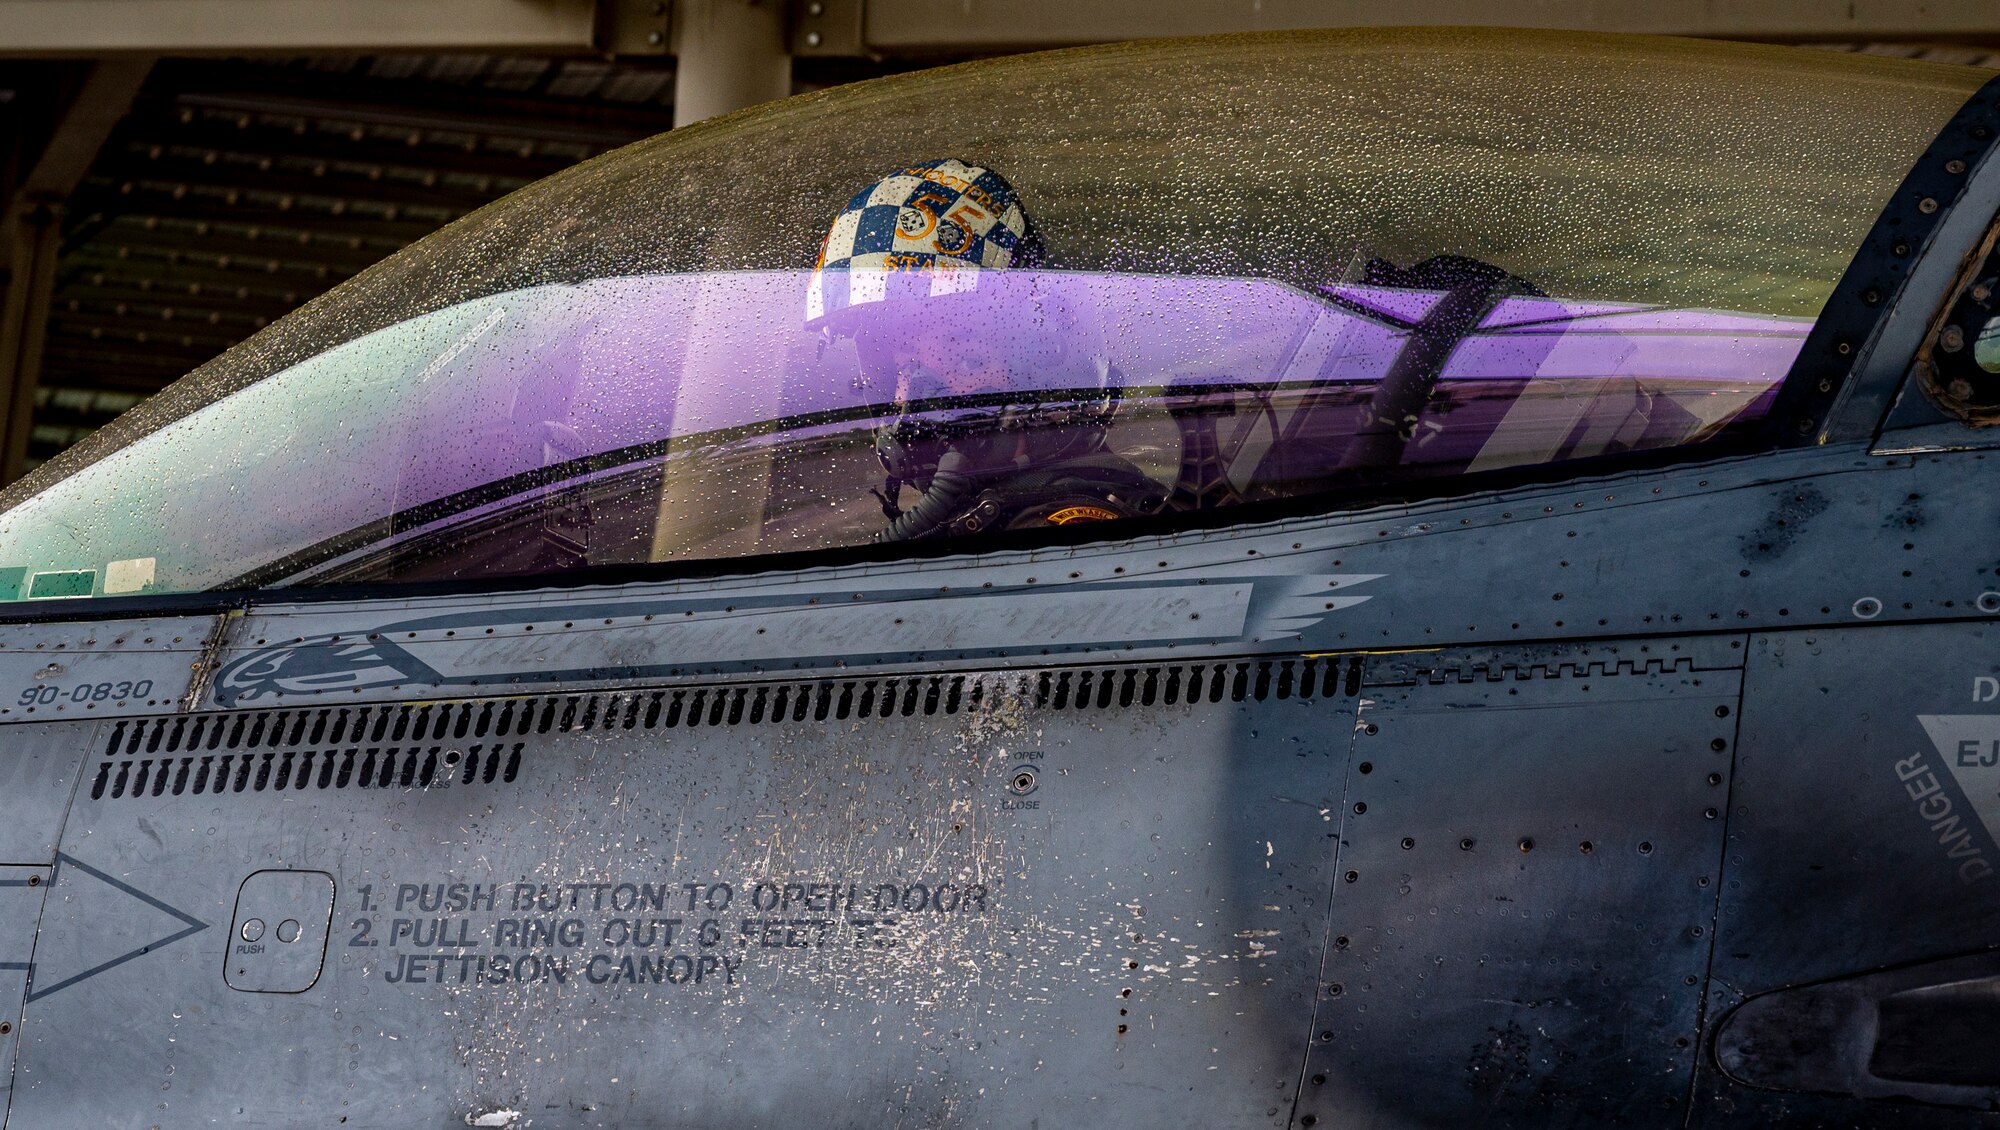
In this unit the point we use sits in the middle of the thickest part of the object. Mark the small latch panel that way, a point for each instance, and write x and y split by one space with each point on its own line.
277 939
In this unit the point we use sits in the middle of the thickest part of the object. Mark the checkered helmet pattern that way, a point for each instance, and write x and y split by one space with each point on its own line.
938 221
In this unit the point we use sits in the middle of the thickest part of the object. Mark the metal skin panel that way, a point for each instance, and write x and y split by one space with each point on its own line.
1583 558
1099 901
20 907
1150 919
1764 527
1578 560
736 631
38 768
1866 796
1527 894
13 982
21 890
94 670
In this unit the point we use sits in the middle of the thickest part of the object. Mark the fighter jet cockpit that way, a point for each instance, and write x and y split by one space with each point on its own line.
1388 579
1226 285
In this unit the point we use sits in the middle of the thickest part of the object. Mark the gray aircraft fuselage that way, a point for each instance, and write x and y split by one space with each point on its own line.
1651 797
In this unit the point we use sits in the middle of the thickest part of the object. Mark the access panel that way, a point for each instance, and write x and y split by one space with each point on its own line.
277 939
1527 887
1088 897
1861 903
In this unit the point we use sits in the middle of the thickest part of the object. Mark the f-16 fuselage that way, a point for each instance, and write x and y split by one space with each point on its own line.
1650 780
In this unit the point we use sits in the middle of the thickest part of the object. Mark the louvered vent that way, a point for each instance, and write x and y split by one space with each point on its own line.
391 746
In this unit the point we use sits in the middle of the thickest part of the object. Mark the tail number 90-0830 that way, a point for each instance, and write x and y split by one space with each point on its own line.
85 692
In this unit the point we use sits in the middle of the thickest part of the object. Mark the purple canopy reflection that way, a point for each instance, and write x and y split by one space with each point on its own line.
619 363
739 427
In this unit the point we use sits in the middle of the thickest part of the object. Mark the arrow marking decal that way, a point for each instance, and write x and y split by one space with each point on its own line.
194 926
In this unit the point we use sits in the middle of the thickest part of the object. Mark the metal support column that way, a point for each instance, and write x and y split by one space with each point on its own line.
31 236
35 239
729 54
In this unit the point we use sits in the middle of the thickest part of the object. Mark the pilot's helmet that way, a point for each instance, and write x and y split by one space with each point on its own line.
899 274
923 231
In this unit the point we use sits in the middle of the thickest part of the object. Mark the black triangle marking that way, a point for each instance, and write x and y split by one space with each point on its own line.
194 926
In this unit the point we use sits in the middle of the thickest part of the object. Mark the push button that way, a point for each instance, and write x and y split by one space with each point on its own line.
286 959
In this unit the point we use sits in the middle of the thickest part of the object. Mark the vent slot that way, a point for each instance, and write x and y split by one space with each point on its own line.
300 770
1511 672
393 746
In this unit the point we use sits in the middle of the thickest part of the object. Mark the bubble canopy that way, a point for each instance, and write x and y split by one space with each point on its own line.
1273 267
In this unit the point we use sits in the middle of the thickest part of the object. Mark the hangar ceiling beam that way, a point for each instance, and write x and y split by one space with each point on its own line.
181 27
31 235
500 116
916 28
927 27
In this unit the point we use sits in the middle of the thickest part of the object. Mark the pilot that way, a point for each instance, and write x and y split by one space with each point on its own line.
999 404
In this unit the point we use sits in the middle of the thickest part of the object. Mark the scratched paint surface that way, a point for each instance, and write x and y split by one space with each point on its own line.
1016 912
